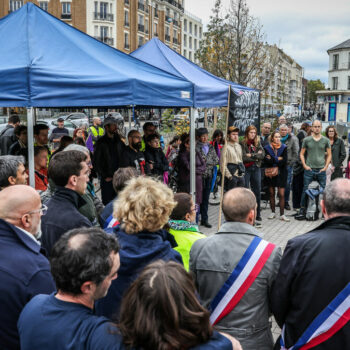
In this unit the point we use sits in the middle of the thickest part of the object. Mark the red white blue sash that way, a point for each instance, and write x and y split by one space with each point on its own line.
111 222
242 277
335 316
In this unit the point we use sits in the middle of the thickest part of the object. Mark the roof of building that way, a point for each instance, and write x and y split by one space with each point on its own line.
344 45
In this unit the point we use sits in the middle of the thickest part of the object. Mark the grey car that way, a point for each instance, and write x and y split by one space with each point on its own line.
52 124
77 118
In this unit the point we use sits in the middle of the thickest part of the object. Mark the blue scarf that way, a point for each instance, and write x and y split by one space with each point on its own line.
272 153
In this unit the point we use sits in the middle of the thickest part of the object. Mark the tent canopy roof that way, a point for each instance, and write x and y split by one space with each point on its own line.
209 90
45 62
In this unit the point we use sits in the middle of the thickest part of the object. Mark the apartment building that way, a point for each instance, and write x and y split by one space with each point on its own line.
123 24
192 31
286 81
336 99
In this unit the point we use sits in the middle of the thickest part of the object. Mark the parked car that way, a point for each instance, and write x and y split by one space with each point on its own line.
52 124
77 118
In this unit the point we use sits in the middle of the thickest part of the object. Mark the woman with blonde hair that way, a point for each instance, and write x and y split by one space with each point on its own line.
161 311
143 208
253 155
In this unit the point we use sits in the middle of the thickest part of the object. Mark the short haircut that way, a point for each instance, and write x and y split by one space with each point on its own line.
316 120
160 310
75 147
284 126
237 204
65 164
151 137
122 176
39 149
144 205
336 197
73 265
183 206
8 167
147 124
201 131
19 129
39 127
131 133
232 129
14 119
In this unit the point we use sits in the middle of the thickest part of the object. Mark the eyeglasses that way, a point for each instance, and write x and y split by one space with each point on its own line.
42 210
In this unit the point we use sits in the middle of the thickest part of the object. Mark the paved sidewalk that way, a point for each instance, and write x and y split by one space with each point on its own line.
275 231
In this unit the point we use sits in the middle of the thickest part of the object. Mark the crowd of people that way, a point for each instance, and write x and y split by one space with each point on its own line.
133 270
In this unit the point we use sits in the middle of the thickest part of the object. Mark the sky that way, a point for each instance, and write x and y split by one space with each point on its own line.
304 29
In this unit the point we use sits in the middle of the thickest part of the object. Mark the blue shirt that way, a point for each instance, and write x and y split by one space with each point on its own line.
49 323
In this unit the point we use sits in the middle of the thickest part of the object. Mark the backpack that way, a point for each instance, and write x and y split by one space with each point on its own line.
314 195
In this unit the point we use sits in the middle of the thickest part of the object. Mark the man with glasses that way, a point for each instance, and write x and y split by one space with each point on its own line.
24 269
315 164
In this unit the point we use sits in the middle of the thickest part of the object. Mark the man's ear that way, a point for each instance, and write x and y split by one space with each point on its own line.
88 287
72 181
26 221
12 180
251 216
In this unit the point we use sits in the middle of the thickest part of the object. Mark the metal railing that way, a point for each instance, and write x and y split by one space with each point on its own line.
66 16
103 16
106 40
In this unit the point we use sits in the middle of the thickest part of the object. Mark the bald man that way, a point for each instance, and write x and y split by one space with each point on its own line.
24 270
214 260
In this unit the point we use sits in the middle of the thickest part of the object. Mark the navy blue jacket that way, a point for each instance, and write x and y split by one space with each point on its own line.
62 215
24 273
137 251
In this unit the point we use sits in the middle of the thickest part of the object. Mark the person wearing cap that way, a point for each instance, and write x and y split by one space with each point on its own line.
95 130
106 157
232 164
207 151
58 132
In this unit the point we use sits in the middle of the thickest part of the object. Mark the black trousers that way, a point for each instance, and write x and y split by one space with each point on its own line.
205 198
297 186
107 191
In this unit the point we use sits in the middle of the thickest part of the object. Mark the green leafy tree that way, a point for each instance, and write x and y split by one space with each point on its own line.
312 87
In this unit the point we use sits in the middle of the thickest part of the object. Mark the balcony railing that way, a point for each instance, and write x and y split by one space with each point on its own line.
66 16
141 27
126 46
167 37
141 6
101 16
176 4
106 40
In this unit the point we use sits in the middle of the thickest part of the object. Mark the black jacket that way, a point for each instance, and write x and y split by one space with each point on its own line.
62 215
156 157
131 158
313 270
7 138
106 157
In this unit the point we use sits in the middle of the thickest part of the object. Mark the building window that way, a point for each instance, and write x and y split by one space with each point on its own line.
195 29
349 61
104 33
155 29
190 56
185 40
335 61
140 40
335 83
146 26
185 25
126 18
141 25
348 83
190 42
200 33
156 11
15 5
190 25
103 10
126 41
195 44
66 10
43 5
185 53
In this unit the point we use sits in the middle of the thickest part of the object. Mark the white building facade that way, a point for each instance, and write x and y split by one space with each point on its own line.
192 32
336 100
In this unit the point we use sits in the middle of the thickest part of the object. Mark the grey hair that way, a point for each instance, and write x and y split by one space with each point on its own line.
336 197
75 147
8 167
284 126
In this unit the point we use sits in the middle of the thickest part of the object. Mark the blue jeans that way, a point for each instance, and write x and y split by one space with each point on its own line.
309 176
252 177
289 184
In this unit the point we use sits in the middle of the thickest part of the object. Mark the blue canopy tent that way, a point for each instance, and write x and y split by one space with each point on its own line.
209 90
45 62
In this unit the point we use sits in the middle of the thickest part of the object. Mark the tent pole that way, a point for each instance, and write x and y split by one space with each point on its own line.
30 123
130 112
192 156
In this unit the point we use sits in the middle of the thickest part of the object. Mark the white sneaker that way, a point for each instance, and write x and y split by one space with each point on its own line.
272 216
284 218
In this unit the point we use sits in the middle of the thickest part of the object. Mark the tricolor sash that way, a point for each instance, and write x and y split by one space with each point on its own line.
242 277
335 316
111 222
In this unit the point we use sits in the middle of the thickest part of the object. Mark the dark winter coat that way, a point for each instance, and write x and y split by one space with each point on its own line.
107 153
338 153
24 273
183 164
256 157
7 138
134 159
211 159
156 157
137 251
62 215
281 179
313 270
